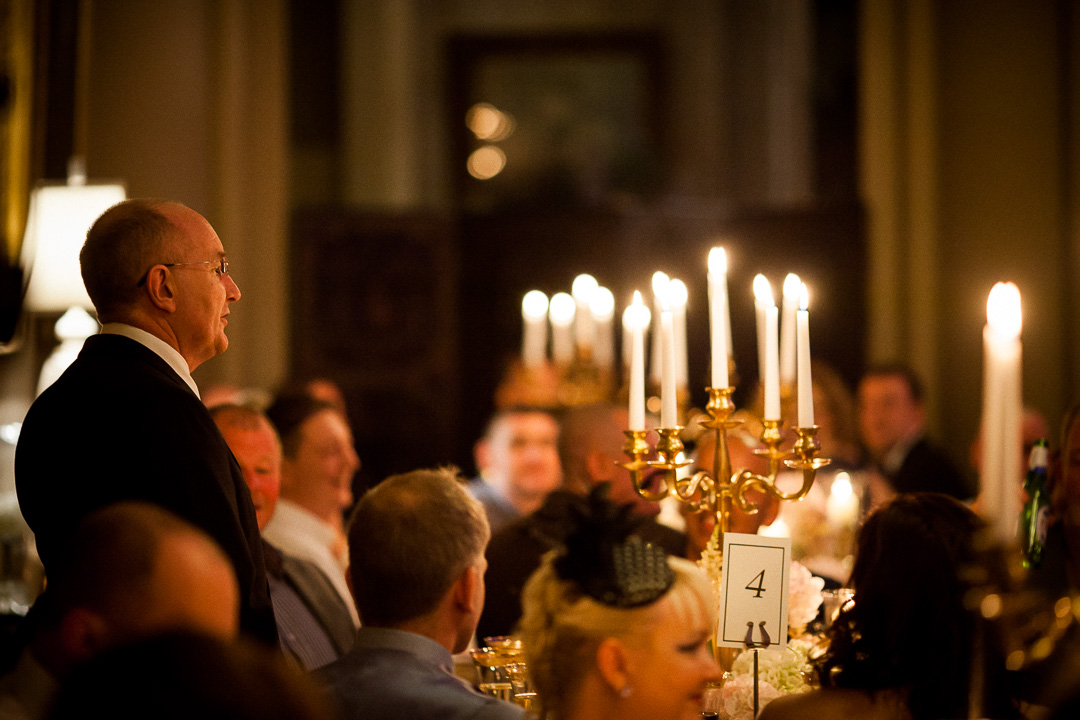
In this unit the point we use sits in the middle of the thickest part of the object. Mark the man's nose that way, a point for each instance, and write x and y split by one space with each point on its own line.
232 290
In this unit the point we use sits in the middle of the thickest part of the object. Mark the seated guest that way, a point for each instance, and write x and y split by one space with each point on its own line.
316 486
518 461
314 625
903 649
613 629
892 423
135 570
184 675
416 544
590 446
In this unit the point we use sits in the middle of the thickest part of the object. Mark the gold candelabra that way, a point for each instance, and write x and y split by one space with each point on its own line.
716 491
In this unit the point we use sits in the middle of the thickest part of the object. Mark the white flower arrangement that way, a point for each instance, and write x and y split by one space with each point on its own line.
804 597
780 672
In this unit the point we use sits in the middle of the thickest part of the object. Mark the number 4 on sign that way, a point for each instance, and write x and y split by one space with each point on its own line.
760 587
766 563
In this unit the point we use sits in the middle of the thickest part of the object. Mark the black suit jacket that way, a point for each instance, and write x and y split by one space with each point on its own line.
928 468
120 424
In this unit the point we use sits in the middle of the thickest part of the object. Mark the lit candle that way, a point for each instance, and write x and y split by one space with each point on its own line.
677 298
718 317
637 316
668 403
602 308
763 298
561 313
806 386
792 290
1002 407
584 333
842 507
534 309
772 365
660 282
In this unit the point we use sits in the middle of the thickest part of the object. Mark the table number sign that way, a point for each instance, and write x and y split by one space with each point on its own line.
754 596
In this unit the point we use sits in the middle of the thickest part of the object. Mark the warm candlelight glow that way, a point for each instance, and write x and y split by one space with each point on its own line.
842 507
561 310
1002 407
763 291
660 282
792 287
719 323
583 288
717 261
763 298
637 314
660 287
1003 312
602 304
534 308
534 305
677 294
602 309
805 407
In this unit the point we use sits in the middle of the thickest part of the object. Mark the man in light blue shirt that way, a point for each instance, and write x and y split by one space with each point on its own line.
416 549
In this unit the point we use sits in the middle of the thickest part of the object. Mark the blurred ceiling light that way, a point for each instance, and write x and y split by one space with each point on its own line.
489 123
486 162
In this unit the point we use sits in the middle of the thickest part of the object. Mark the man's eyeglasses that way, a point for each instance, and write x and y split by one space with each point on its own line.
222 270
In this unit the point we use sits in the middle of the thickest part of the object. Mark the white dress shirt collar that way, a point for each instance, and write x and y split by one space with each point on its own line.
158 346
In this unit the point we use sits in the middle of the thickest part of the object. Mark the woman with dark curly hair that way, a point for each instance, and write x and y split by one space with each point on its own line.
903 650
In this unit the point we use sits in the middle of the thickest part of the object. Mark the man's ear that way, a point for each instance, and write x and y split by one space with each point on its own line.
614 664
464 590
482 455
161 289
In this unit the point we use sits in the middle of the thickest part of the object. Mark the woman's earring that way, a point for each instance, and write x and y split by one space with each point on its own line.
626 691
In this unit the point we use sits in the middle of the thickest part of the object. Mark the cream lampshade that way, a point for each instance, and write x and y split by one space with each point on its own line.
60 215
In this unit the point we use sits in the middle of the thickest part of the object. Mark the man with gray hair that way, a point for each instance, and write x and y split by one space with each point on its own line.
125 421
416 550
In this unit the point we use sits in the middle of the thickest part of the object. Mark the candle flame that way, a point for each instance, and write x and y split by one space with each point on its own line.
677 294
792 288
636 312
804 297
561 309
841 486
717 261
1003 312
583 288
763 291
602 305
534 305
661 285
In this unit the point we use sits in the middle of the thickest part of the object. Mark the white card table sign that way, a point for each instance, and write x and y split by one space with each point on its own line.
754 596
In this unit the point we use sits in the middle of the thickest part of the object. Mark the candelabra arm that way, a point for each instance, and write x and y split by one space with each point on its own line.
743 483
805 451
666 468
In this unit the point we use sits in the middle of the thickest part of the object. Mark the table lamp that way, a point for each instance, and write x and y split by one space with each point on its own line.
60 214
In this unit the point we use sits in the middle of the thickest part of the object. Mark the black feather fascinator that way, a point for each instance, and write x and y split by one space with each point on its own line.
607 560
